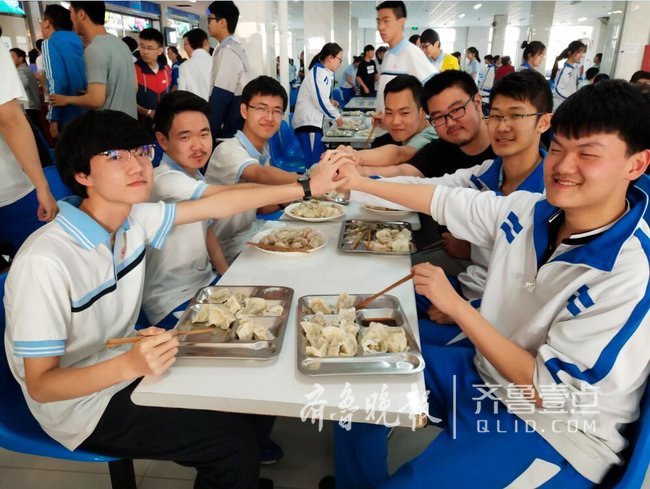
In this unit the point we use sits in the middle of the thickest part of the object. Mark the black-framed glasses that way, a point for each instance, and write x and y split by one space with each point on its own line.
212 17
498 119
340 59
116 155
454 114
424 46
265 109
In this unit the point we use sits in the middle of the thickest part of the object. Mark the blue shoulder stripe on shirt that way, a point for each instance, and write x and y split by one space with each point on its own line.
608 356
165 227
318 95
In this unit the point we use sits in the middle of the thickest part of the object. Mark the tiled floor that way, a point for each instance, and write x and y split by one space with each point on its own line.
308 457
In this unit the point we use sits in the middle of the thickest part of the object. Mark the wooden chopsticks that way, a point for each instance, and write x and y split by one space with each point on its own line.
364 303
370 135
269 247
134 339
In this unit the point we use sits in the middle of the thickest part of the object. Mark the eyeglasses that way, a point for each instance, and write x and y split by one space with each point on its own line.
212 17
147 150
455 114
148 48
340 59
510 118
263 109
424 46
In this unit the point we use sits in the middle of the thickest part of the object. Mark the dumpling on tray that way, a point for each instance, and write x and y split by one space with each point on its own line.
214 315
220 296
317 305
344 301
248 330
253 306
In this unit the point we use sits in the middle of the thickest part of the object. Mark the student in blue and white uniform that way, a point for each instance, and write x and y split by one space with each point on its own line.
78 281
474 65
518 166
487 82
186 262
533 55
314 105
557 265
349 80
402 57
566 80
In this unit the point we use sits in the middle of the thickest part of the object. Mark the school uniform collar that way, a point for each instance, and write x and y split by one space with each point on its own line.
88 233
167 160
229 39
601 246
492 178
199 52
398 47
318 64
262 157
526 66
147 69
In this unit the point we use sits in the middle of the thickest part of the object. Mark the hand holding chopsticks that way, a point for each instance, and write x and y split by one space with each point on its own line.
364 303
134 339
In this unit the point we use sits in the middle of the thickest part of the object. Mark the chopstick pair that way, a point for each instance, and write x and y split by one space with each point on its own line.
134 339
370 135
364 303
269 247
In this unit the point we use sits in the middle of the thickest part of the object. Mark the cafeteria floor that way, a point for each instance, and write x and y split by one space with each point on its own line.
308 456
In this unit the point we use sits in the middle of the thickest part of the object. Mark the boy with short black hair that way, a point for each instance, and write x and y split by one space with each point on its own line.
153 75
562 333
194 74
246 158
90 266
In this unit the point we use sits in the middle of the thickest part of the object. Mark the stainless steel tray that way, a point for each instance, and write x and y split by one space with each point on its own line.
385 307
348 244
224 343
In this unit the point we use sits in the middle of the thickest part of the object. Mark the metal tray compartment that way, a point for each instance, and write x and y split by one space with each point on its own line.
224 343
349 241
386 307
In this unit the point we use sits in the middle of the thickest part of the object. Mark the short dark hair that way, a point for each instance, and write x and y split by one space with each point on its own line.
429 36
445 80
591 73
131 43
525 86
608 107
58 16
368 47
405 82
264 85
600 77
196 38
92 133
640 75
151 34
19 53
228 11
39 44
33 54
173 104
414 38
398 8
96 11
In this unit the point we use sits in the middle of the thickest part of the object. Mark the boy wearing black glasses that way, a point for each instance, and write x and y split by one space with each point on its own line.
78 281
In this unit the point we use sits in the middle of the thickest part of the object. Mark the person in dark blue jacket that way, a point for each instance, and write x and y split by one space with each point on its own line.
63 61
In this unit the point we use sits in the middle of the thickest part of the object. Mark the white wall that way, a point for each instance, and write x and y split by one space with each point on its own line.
15 33
635 35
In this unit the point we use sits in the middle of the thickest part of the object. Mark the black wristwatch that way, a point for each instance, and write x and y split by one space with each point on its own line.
304 181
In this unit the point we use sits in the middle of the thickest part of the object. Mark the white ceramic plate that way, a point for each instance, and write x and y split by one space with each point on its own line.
261 234
384 211
290 208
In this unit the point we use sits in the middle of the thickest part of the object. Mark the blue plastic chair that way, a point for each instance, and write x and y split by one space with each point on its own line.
57 187
20 432
290 142
636 455
281 159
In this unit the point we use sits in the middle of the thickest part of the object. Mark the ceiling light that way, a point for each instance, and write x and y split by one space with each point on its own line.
582 19
461 16
478 6
617 11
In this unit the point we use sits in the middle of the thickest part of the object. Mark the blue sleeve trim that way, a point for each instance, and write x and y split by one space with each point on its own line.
165 228
608 356
243 166
47 348
199 191
318 96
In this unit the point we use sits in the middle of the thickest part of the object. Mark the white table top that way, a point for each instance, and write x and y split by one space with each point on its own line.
361 103
276 387
354 210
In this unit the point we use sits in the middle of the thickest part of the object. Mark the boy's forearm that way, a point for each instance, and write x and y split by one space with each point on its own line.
416 197
511 360
215 252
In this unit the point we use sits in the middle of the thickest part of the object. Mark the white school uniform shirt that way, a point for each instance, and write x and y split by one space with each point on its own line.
566 84
313 103
487 83
69 290
403 59
176 271
488 176
230 68
194 74
14 183
225 167
583 314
